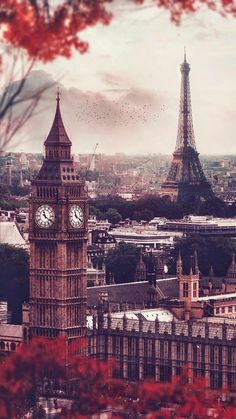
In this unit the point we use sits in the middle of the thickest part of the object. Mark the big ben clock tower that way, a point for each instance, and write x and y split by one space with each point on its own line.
58 216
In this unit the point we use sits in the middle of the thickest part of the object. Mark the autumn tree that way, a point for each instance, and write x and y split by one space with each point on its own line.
24 377
89 385
31 31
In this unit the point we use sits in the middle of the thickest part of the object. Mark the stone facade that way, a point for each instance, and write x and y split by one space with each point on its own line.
58 220
159 350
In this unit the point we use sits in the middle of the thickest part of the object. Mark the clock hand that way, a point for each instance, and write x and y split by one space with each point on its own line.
44 214
76 212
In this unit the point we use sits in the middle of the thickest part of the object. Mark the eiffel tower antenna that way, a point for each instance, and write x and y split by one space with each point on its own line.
186 180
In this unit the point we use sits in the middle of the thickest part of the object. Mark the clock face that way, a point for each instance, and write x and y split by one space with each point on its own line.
45 216
76 216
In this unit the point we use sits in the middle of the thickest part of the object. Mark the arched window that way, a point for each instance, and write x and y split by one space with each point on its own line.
13 346
2 345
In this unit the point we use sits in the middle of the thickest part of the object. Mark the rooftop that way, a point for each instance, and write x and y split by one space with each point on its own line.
11 331
133 292
10 234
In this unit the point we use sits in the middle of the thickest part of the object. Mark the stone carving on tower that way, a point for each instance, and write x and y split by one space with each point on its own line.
186 181
58 217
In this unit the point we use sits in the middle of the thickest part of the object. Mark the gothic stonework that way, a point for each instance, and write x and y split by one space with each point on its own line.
160 350
186 181
58 215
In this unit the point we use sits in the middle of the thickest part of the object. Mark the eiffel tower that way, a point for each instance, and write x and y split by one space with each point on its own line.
186 181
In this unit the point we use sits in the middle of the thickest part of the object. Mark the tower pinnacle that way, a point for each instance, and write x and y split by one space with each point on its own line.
58 97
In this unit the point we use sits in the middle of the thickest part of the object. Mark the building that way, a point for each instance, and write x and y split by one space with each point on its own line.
186 181
202 225
152 328
95 276
160 349
145 236
58 220
158 342
10 234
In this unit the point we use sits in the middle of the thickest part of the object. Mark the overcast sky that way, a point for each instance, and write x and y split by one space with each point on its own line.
124 93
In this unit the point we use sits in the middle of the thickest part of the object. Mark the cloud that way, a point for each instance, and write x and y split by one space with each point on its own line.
109 118
113 80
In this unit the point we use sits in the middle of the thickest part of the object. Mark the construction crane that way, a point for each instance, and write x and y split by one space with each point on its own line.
90 161
91 158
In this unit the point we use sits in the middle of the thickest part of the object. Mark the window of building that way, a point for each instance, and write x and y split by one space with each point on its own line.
230 309
186 350
185 289
229 356
217 310
178 350
149 347
13 346
115 345
222 310
194 290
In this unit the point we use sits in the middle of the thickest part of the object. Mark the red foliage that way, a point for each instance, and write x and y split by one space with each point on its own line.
88 382
181 399
45 32
21 373
179 8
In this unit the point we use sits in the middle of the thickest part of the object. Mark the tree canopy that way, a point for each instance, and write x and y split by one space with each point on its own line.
144 208
25 376
113 216
122 262
45 29
212 251
150 206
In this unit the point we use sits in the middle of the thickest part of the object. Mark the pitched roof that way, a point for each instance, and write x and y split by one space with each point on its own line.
10 234
11 331
57 132
133 292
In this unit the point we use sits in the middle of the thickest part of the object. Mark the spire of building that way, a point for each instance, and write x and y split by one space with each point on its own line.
57 143
141 270
231 273
211 273
57 133
196 266
179 265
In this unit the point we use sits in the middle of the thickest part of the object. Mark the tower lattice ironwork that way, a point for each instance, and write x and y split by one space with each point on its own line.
186 180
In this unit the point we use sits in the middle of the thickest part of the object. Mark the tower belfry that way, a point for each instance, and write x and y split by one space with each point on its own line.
186 180
58 216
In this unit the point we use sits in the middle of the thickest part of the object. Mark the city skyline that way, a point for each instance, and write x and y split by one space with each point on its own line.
131 105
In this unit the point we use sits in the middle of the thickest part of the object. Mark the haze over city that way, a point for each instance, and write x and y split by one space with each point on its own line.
124 93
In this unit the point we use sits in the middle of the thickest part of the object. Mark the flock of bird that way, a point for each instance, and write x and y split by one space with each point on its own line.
117 113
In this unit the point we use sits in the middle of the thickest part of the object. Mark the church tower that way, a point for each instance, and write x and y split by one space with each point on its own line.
186 181
58 218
